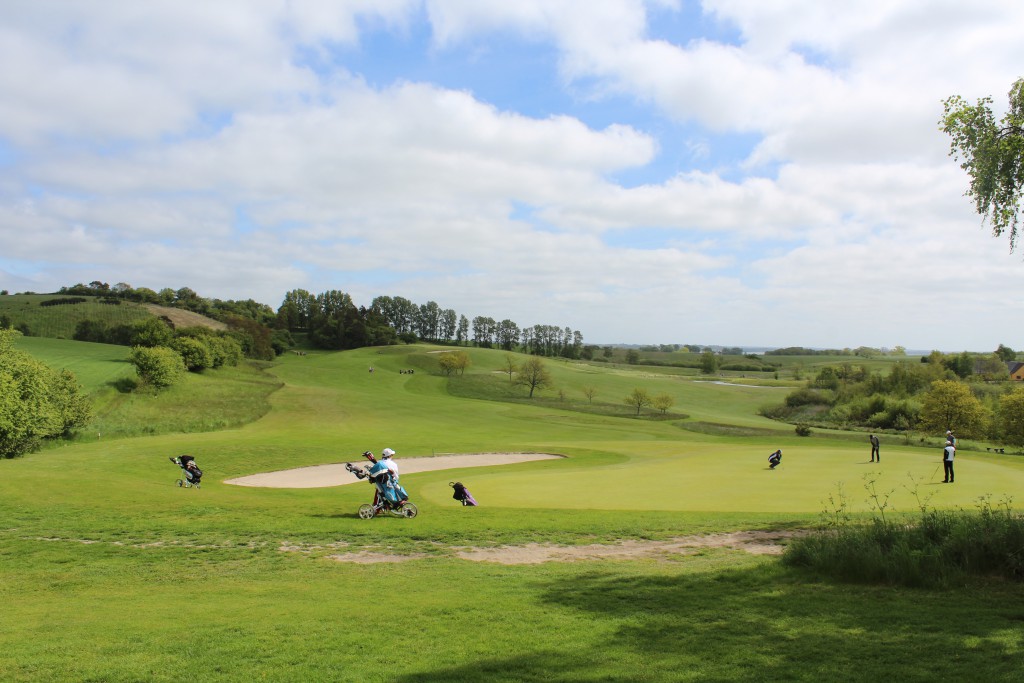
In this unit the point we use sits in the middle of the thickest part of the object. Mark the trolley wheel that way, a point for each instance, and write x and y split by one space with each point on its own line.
409 510
366 511
181 483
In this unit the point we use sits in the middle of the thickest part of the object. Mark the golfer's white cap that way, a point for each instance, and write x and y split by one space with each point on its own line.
387 453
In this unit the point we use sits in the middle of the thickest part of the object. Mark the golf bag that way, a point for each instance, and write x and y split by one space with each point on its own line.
191 474
462 494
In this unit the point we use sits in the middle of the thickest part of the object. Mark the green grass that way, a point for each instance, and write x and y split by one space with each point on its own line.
95 365
110 572
60 321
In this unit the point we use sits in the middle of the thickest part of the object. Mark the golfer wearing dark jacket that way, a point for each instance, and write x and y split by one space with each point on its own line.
948 453
875 454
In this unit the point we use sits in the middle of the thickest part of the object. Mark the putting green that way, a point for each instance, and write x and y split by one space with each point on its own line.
730 478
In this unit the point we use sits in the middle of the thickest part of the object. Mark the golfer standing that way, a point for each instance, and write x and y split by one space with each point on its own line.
875 454
948 453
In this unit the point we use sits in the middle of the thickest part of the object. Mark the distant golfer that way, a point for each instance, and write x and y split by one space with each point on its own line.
948 453
774 459
875 455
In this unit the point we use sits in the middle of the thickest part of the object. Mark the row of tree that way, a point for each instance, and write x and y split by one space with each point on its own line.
333 321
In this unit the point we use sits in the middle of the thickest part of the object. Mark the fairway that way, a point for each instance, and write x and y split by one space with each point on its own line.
101 546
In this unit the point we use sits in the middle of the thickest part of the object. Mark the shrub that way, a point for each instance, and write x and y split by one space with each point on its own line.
803 430
36 402
151 332
157 366
195 353
63 301
225 351
90 331
803 397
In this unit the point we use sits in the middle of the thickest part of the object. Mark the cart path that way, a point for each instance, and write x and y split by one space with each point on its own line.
335 474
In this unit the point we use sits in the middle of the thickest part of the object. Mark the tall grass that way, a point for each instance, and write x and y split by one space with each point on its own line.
933 549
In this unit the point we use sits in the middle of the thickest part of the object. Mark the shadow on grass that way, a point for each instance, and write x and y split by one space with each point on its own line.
125 385
762 624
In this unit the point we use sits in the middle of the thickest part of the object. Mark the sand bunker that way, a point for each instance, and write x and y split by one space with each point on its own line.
335 474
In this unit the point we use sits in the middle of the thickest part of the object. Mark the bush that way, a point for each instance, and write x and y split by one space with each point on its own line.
157 366
195 353
63 301
803 397
36 402
803 430
151 332
90 331
225 351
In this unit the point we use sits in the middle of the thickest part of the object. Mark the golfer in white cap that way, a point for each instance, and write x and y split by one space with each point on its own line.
387 456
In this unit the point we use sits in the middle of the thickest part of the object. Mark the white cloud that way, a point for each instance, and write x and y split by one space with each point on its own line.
234 148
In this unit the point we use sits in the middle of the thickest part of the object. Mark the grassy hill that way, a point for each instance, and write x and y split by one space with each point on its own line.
59 321
109 571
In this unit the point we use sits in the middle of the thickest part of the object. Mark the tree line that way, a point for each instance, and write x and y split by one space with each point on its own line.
333 321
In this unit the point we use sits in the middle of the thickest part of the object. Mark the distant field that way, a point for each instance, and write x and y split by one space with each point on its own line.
105 563
60 321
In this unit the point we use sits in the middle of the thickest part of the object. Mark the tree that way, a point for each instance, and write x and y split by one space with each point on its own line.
949 404
1006 353
510 365
992 368
36 401
533 375
453 361
638 398
708 362
1010 417
632 356
993 156
590 393
157 366
663 402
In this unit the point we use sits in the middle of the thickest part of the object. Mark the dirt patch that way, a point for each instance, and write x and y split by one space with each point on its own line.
335 474
754 542
182 318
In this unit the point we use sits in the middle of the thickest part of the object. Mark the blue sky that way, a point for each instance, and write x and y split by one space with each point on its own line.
722 172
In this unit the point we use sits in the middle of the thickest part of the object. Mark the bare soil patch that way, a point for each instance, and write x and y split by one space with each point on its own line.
753 542
182 318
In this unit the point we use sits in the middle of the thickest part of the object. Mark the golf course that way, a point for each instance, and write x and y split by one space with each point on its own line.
649 548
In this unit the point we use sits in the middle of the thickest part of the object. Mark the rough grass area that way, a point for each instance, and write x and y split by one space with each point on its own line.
938 549
179 317
725 429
